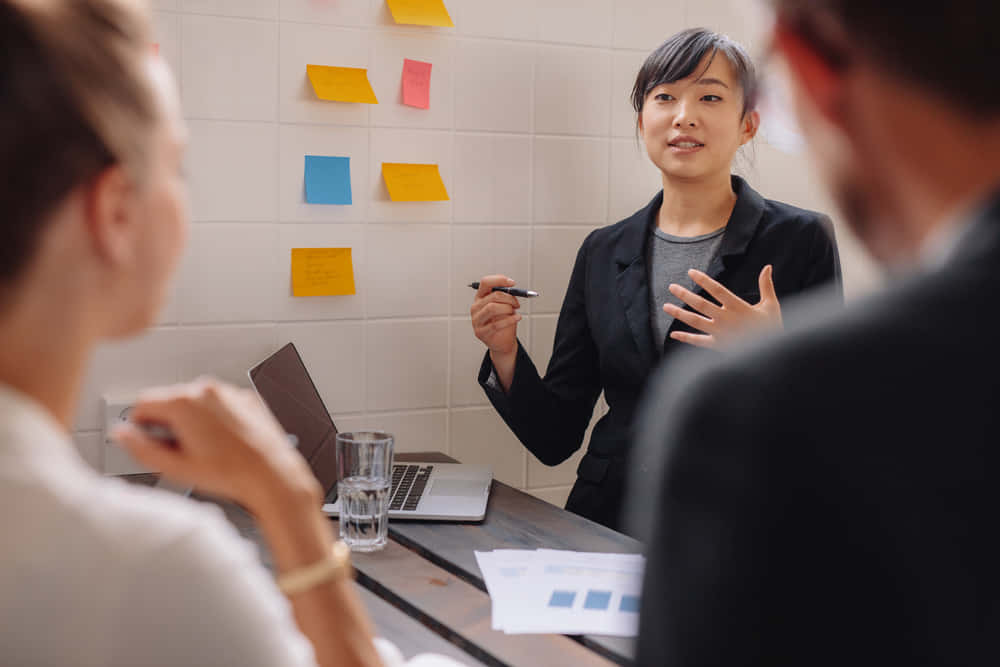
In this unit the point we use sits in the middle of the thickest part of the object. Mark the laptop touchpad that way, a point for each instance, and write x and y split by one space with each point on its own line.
456 487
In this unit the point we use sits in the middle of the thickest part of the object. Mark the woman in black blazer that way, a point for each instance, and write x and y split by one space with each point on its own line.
695 102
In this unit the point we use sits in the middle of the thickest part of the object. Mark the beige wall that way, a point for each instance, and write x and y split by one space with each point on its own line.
533 133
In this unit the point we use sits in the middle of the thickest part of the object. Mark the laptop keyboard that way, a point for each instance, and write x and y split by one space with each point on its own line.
408 484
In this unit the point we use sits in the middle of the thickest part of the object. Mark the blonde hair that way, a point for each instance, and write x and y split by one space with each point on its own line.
77 99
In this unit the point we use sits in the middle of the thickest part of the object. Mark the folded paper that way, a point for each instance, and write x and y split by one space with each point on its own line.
414 182
328 180
420 12
341 84
322 272
416 84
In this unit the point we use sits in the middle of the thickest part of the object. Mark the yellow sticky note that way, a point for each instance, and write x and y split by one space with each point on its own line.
420 12
341 84
322 272
414 182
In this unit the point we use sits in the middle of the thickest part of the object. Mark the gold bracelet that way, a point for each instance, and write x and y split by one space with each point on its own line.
334 566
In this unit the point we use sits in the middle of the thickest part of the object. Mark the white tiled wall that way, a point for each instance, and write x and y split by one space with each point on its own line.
531 126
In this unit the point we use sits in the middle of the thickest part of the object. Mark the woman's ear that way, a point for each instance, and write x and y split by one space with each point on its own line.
751 124
638 123
111 218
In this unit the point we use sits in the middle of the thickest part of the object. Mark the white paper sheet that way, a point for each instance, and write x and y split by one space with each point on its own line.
567 592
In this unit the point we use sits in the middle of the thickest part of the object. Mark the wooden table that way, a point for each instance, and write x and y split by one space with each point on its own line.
425 591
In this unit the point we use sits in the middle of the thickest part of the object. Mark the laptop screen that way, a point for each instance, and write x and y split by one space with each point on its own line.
284 384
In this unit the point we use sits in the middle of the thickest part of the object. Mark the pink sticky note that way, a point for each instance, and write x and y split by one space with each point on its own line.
416 84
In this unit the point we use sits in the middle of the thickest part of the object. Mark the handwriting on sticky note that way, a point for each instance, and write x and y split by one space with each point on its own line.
328 180
416 84
414 182
322 272
420 12
341 84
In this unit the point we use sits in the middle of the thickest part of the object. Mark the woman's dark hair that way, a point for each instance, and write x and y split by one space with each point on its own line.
679 56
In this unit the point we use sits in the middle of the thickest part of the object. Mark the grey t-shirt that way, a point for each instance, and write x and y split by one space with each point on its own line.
670 257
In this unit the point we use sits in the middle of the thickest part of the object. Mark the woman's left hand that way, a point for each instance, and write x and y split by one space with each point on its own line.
725 322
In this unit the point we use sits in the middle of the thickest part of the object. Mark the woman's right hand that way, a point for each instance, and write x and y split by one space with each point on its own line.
227 443
495 316
494 321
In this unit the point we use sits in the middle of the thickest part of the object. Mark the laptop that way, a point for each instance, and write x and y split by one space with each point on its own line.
420 490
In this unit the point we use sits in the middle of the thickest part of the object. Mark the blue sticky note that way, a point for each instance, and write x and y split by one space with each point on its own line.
597 600
629 603
328 180
562 599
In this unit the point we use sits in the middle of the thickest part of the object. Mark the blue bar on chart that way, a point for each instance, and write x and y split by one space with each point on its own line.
629 603
328 180
562 599
597 600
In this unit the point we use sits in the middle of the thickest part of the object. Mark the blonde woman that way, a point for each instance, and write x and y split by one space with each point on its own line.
92 571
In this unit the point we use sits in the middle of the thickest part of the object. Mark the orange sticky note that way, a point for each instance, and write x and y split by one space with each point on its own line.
341 84
420 12
322 272
414 182
416 84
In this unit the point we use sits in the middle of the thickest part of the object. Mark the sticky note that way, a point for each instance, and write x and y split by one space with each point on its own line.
328 180
414 182
420 12
322 272
341 84
416 84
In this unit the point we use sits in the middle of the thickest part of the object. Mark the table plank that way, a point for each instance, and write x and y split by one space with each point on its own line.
514 520
410 635
461 611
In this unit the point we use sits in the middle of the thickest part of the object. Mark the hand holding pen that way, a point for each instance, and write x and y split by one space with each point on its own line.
494 315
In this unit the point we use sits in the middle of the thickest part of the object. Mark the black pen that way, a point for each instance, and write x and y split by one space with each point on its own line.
513 291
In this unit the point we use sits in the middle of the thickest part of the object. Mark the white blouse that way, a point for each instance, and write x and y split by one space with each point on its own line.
95 571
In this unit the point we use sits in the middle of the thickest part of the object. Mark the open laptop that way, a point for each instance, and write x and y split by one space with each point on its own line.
428 491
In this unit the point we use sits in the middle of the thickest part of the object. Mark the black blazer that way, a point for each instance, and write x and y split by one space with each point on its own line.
604 338
830 496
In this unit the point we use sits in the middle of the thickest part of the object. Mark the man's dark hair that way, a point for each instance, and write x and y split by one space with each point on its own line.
678 57
951 48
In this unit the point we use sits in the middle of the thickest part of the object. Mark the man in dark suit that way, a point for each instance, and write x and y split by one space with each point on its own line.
830 496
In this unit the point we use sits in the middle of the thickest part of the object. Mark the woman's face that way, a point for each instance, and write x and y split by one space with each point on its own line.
693 127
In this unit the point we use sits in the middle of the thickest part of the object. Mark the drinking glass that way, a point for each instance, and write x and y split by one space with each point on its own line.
364 469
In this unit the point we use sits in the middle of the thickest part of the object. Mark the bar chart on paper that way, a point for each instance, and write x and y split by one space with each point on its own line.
567 592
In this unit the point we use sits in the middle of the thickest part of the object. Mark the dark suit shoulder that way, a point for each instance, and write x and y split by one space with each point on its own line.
779 215
780 211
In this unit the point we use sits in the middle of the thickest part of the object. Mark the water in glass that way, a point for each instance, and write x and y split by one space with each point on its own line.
363 512
364 467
